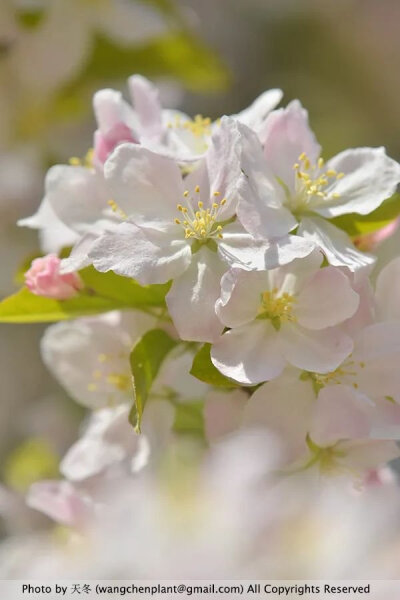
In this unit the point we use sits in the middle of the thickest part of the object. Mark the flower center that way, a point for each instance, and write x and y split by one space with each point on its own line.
120 380
278 308
86 161
312 182
199 126
328 457
201 224
346 373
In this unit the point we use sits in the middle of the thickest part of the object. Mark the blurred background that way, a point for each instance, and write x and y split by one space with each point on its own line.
341 58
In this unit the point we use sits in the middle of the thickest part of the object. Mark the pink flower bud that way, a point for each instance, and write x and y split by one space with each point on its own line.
44 279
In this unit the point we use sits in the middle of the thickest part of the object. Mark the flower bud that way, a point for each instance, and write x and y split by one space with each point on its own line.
44 279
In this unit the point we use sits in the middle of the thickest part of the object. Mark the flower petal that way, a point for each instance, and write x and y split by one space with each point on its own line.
223 166
146 186
191 299
239 249
147 255
82 355
240 296
254 115
326 300
77 195
340 413
335 243
387 292
370 177
284 406
260 208
317 351
377 347
249 354
146 100
287 135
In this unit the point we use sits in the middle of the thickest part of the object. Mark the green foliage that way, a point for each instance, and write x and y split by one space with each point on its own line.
178 54
123 289
103 292
356 225
203 369
189 418
146 359
32 461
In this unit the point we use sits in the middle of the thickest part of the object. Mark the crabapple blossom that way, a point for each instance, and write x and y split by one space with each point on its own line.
90 358
287 176
170 132
44 279
285 315
181 229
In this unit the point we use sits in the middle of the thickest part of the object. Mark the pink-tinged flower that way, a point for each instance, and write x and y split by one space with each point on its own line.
288 178
285 315
44 279
182 229
60 501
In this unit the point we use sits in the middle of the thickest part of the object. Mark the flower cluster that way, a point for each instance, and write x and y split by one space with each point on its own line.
270 316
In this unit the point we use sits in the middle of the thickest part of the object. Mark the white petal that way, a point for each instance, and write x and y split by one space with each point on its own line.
335 243
79 255
388 292
370 177
249 354
340 413
191 299
145 185
254 115
284 406
240 296
378 348
53 234
82 354
146 100
88 457
326 300
111 110
147 255
368 454
77 195
287 135
223 165
239 249
260 208
318 351
223 413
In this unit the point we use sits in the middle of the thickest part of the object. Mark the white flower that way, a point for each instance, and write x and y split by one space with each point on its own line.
180 229
90 357
288 177
286 315
169 132
347 416
110 446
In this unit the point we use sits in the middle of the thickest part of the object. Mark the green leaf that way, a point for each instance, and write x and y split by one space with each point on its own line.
103 292
25 307
189 418
123 289
356 225
146 359
178 54
203 369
